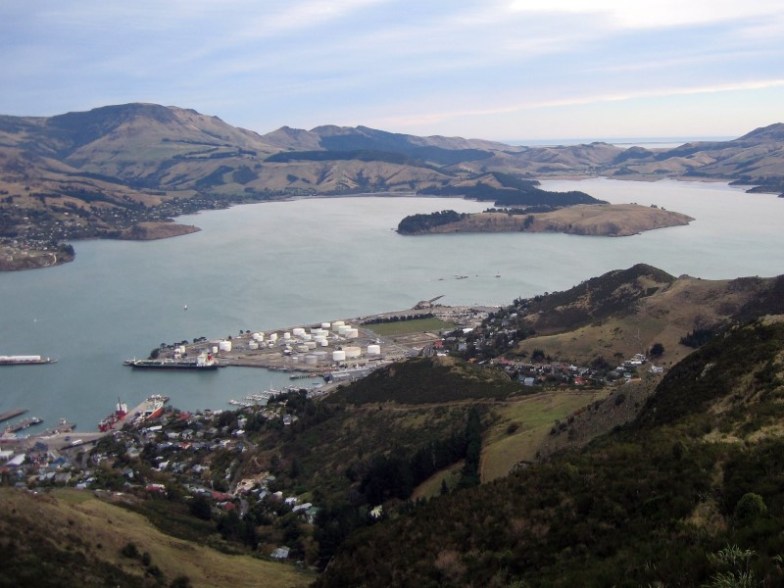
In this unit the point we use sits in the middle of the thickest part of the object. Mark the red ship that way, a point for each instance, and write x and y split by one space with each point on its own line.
114 419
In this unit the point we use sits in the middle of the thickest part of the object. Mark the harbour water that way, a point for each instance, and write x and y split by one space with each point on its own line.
285 264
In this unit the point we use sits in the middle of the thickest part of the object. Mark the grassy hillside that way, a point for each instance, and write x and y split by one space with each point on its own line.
71 538
688 495
621 313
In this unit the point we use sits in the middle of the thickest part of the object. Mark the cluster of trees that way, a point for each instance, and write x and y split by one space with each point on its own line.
397 318
421 223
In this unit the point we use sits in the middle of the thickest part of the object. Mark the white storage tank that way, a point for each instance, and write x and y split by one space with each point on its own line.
214 349
343 329
311 359
310 344
321 356
325 325
374 349
320 340
253 345
352 352
273 337
258 337
298 331
287 335
302 348
224 346
338 355
352 333
337 324
306 336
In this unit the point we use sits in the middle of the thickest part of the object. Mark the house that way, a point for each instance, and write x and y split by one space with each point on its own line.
280 553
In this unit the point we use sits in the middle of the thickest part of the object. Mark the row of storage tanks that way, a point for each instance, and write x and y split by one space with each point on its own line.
309 342
347 353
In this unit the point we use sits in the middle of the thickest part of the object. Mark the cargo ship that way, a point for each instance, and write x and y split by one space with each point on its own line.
204 361
25 360
115 419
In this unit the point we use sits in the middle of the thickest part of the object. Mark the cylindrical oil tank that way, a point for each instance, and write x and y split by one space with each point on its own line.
253 345
224 345
374 349
352 333
311 359
273 337
298 331
302 348
287 335
258 337
338 355
325 325
337 324
310 344
352 352
321 356
215 349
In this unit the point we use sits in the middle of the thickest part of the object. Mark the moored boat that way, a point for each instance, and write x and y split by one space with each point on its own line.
204 361
25 360
115 419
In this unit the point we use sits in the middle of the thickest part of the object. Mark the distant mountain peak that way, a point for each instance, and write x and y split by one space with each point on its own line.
774 132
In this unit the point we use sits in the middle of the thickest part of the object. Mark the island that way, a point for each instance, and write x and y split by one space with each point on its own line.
608 220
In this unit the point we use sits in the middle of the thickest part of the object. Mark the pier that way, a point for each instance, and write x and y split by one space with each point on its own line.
10 414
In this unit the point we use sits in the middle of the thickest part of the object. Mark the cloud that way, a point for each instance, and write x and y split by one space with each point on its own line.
440 116
640 14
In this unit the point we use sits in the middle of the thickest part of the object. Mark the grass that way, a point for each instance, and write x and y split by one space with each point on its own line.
410 326
523 424
432 486
104 529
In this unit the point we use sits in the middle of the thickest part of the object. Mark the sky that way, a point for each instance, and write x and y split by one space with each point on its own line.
513 70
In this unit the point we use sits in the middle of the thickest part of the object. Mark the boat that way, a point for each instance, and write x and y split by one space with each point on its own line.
63 426
25 360
115 419
152 408
204 361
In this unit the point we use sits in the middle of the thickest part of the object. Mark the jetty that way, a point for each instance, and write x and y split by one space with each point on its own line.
11 414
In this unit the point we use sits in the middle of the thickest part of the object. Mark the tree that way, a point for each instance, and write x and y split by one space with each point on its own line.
657 350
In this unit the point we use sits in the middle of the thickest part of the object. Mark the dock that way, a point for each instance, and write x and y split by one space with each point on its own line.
11 414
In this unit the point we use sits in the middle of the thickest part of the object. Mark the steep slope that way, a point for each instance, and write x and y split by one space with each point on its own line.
666 501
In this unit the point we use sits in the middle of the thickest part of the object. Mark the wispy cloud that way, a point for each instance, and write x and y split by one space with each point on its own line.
436 63
655 13
440 116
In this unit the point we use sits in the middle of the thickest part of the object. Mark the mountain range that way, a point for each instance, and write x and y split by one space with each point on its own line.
104 172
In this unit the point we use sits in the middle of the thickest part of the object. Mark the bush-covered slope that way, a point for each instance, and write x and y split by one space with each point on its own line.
658 503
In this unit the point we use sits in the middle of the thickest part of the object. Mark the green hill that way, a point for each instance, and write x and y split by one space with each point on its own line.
665 501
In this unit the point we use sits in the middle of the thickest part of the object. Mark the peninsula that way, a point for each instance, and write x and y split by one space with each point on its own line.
609 220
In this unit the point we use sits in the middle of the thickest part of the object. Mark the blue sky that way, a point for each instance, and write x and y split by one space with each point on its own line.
505 70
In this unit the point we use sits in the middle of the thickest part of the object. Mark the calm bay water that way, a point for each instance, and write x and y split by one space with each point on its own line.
285 264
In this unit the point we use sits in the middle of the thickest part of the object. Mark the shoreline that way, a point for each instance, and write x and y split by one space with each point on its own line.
157 230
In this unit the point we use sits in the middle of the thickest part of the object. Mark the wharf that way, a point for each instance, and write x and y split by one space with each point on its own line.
10 414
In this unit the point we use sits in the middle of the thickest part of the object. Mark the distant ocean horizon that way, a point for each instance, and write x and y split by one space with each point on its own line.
646 142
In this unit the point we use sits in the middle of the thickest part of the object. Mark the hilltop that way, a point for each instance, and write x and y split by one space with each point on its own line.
105 172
